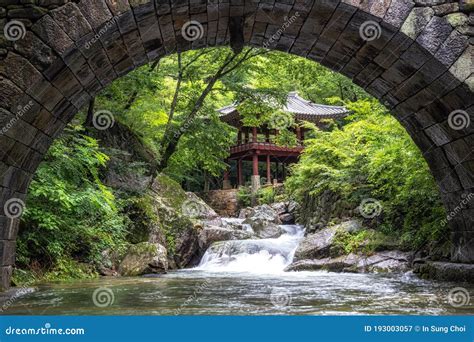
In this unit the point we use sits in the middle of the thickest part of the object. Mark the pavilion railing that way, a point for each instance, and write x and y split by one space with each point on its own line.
265 146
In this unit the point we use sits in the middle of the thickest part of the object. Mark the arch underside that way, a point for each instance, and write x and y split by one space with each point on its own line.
420 67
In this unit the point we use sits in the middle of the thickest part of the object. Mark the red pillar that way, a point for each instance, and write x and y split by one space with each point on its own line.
255 164
269 170
254 134
239 137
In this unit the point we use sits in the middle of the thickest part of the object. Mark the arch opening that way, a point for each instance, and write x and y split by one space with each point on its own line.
415 60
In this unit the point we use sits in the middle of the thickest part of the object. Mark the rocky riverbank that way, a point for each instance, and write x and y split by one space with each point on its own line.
197 227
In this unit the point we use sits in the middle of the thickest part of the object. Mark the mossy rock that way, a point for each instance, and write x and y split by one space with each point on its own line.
143 258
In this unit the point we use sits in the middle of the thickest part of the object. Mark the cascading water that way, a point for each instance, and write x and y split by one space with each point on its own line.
256 255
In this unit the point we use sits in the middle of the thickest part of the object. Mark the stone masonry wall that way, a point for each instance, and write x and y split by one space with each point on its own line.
416 56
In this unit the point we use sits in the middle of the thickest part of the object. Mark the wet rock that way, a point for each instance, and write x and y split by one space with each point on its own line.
286 211
144 258
318 245
445 271
264 221
236 224
211 234
385 262
339 264
186 251
194 207
382 262
352 226
108 263
287 218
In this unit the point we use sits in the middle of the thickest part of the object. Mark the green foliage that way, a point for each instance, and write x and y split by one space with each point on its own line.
266 195
70 214
244 196
139 210
364 241
372 156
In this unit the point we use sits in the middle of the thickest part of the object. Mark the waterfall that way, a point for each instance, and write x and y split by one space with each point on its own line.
255 255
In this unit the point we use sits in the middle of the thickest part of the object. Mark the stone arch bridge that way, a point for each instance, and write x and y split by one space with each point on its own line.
416 56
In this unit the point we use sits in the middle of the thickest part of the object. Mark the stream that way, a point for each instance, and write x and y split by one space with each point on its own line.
244 277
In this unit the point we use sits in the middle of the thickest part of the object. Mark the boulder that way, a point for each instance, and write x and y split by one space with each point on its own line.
194 207
143 258
211 234
351 226
287 218
382 262
236 224
244 213
186 251
386 262
444 271
279 207
108 263
340 264
286 211
264 221
318 245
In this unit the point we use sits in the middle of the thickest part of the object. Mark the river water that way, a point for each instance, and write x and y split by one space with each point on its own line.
246 278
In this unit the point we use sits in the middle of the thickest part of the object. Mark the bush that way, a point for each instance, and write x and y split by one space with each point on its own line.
266 195
372 156
71 217
244 196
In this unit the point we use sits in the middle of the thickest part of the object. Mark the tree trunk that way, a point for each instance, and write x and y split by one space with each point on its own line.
90 114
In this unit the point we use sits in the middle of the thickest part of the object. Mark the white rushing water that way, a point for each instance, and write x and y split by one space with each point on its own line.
253 256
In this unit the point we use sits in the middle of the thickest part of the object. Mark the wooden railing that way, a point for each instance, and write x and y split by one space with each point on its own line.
265 146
